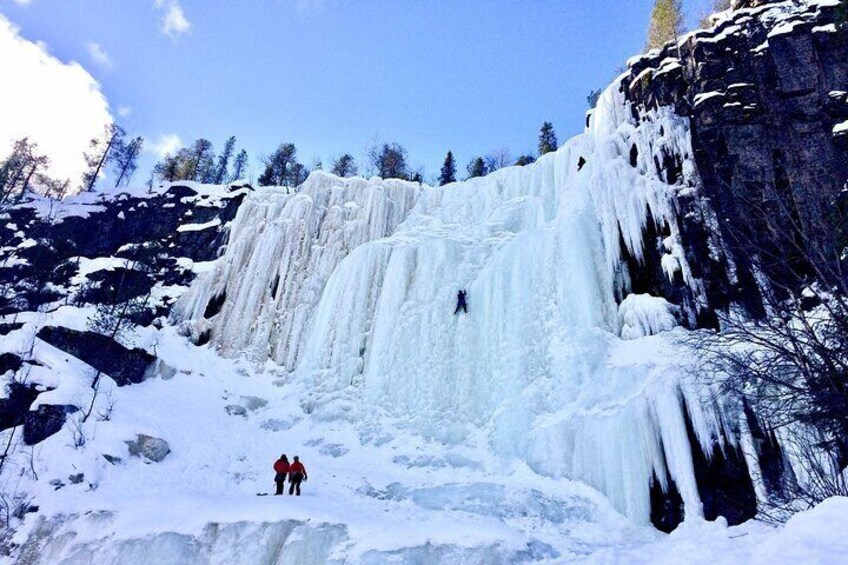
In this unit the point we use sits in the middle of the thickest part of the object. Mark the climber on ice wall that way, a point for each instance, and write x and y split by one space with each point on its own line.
461 304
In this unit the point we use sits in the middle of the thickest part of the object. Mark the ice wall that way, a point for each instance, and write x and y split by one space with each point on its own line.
368 272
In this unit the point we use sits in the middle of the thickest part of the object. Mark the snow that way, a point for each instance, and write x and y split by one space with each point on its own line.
644 315
213 223
840 128
704 96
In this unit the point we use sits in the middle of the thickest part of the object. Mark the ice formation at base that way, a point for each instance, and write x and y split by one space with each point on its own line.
351 285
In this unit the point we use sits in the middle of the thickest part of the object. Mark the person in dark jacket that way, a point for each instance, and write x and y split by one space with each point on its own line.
461 304
281 468
297 473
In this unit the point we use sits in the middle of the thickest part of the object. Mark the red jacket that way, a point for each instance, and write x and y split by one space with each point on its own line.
297 467
281 466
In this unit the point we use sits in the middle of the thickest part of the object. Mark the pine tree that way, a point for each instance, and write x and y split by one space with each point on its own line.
101 152
167 170
344 166
476 168
448 174
547 139
666 22
239 167
222 168
126 161
202 157
282 168
20 168
389 160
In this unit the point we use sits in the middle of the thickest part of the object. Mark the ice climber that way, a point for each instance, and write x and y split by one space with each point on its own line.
297 473
281 468
461 304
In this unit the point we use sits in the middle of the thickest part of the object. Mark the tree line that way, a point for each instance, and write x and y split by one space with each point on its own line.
26 168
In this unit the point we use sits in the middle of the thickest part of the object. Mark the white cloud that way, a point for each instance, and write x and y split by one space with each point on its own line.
57 105
99 55
165 145
23 2
124 111
174 21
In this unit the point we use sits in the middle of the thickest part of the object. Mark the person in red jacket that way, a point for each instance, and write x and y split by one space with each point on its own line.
297 473
281 468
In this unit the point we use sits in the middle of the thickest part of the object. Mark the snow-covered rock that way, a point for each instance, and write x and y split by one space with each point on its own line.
642 315
153 449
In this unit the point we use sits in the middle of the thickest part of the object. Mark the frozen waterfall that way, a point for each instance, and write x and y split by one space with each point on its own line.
351 285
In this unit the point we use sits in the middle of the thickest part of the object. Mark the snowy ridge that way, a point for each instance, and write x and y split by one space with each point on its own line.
350 284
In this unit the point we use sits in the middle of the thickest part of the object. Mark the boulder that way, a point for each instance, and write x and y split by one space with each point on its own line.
153 449
44 421
236 410
14 408
125 366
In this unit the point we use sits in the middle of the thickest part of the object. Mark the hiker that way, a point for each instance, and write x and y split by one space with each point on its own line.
297 473
460 302
282 468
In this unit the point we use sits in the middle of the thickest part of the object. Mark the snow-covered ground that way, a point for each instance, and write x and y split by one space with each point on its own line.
380 493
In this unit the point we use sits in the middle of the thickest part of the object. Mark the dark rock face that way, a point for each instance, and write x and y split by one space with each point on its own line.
116 286
776 472
724 485
14 408
667 511
10 362
763 104
723 479
143 229
125 366
47 420
6 329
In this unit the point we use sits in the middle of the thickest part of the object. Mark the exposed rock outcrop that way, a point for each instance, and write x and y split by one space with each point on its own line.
45 421
125 366
764 89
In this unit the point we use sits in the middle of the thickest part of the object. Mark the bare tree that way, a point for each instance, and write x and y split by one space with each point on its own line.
498 159
788 360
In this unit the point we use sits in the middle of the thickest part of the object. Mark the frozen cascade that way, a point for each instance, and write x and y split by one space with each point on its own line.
351 285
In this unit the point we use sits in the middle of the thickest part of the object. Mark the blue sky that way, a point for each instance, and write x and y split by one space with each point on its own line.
331 75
